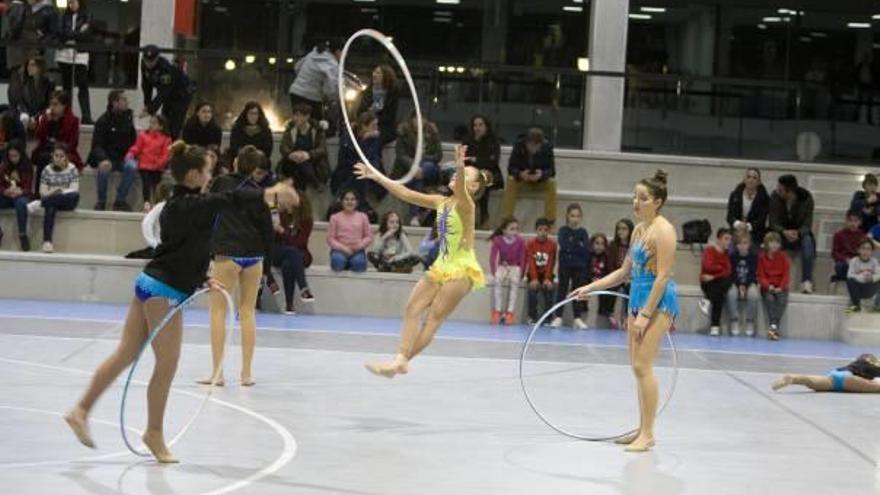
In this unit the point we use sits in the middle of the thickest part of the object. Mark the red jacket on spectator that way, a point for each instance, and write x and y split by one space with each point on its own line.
846 244
773 271
151 150
541 259
298 236
716 263
64 130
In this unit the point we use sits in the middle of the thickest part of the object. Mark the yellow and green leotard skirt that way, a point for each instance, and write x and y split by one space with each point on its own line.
454 261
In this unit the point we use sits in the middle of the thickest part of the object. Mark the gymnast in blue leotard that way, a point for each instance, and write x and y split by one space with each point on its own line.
653 304
176 271
859 376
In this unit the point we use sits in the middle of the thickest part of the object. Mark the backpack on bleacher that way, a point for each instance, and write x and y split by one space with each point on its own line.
696 232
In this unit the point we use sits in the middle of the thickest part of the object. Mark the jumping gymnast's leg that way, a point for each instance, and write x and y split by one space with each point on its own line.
445 302
133 337
166 348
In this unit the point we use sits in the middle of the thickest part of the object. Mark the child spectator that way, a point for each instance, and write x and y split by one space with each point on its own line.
17 187
863 276
744 291
429 248
149 154
866 203
600 266
392 251
617 251
58 124
291 251
348 236
774 272
507 263
59 190
574 263
715 278
541 260
846 244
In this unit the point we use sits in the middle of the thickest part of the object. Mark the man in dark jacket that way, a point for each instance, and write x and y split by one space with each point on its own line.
791 215
172 87
531 168
113 135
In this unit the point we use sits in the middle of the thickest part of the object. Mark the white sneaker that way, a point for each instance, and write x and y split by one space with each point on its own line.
556 323
34 206
48 247
750 329
715 331
807 287
734 328
580 324
705 306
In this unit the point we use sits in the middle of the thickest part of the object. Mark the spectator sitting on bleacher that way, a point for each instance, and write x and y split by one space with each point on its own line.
540 265
291 251
846 244
791 216
774 273
531 168
57 125
59 190
348 236
381 97
251 127
366 130
867 202
29 91
304 150
744 291
17 187
484 152
748 206
150 154
201 129
863 277
113 135
391 250
428 174
715 278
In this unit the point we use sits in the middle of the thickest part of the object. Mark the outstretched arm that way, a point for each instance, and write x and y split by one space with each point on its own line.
399 191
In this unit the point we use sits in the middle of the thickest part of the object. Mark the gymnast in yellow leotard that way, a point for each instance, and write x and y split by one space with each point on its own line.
455 272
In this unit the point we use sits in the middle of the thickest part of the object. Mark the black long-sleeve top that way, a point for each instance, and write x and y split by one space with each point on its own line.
186 223
244 232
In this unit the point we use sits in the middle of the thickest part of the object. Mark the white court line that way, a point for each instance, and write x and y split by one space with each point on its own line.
439 337
289 447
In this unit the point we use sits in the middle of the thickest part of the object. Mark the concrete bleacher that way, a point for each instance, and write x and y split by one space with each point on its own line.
90 244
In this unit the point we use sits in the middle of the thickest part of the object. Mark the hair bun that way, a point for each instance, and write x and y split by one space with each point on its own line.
178 148
661 176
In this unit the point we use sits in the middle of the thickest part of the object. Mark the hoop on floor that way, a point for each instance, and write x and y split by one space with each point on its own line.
559 429
340 86
230 322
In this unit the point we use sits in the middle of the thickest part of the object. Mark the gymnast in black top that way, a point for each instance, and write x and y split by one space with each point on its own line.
177 270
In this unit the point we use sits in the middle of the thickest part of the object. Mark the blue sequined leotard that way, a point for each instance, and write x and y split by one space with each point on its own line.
642 280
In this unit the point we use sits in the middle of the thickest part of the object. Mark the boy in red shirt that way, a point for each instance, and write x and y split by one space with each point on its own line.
541 260
715 276
846 244
774 271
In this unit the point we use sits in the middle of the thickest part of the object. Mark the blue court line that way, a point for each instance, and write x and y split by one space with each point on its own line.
452 329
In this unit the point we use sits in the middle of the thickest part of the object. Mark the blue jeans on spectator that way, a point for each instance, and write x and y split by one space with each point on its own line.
293 270
53 204
861 290
430 176
129 172
339 261
21 212
840 270
807 246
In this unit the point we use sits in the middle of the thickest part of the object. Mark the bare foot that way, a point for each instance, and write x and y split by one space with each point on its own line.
247 381
156 443
207 381
627 439
782 382
78 422
640 444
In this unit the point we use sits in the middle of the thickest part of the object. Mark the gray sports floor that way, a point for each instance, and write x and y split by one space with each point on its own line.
318 423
